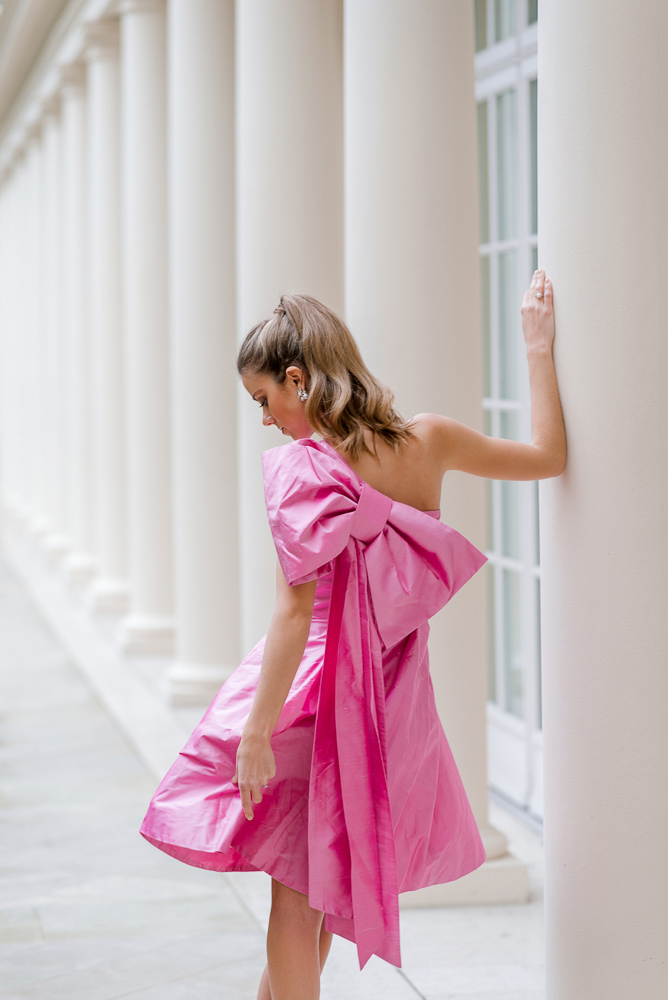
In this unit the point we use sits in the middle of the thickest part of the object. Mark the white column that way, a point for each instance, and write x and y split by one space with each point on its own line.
78 564
109 590
11 343
39 523
5 313
149 628
56 541
28 332
290 217
412 300
202 286
21 332
603 225
20 337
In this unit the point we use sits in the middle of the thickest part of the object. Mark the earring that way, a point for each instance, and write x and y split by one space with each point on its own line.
302 393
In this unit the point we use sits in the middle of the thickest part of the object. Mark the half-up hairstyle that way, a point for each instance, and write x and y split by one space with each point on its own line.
343 395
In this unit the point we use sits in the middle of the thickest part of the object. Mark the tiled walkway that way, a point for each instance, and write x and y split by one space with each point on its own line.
90 911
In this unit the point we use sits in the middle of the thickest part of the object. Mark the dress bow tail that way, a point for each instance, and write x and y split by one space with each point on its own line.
352 707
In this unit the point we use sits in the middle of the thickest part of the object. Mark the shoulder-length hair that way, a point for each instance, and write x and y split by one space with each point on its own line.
343 396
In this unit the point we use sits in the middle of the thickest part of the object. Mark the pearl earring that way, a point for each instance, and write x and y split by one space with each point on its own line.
302 393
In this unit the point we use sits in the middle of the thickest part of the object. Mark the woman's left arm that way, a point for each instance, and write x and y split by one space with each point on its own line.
283 651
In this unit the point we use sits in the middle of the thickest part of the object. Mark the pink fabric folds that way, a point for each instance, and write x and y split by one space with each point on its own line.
394 567
367 801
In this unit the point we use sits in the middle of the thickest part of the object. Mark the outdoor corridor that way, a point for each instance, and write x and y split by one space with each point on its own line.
90 911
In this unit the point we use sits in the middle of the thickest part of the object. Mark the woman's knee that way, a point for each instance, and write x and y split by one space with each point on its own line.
294 905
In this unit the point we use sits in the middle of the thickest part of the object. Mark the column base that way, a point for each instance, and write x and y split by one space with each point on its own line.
194 683
499 880
78 568
496 842
146 635
106 596
56 546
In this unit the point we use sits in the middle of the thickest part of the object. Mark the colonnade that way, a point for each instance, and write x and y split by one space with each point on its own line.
181 166
185 166
183 163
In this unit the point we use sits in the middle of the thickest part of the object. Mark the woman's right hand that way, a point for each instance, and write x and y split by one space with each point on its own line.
538 313
256 765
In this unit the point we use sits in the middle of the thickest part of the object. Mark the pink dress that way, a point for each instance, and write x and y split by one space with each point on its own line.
367 800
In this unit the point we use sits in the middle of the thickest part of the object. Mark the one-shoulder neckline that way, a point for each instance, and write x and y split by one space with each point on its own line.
339 455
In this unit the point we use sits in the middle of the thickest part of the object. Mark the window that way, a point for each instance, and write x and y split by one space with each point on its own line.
506 95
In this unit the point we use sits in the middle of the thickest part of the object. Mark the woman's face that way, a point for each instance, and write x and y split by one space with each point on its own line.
280 404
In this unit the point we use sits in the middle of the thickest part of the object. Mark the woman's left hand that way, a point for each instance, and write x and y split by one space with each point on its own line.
255 766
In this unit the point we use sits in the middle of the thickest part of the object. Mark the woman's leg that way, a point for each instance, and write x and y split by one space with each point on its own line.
297 947
325 943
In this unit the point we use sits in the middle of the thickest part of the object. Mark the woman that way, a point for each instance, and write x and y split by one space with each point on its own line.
322 760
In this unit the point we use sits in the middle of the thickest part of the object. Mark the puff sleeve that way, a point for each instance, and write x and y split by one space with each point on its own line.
308 508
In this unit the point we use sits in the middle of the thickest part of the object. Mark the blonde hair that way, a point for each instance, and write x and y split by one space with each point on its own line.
343 395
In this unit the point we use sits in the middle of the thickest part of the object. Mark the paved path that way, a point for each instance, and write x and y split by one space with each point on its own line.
90 911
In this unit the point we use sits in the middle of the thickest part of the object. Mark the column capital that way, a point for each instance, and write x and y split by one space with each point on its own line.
71 76
140 6
101 39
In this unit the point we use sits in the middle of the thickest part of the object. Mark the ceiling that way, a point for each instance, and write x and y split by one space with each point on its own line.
25 26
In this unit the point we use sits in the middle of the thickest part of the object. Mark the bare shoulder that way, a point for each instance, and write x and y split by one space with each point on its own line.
438 434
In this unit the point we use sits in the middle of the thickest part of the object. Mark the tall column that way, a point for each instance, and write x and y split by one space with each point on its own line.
203 334
109 590
22 332
78 565
56 541
25 249
290 218
412 300
5 313
11 360
38 524
20 335
149 628
603 225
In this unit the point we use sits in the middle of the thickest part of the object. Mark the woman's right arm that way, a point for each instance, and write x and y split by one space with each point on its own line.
460 447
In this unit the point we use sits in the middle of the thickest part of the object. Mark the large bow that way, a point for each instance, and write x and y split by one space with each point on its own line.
394 568
398 567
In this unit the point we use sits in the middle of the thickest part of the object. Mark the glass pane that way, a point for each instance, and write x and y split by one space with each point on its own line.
537 523
480 25
539 671
486 341
512 647
533 141
504 19
532 12
483 172
491 635
505 163
534 263
508 327
510 494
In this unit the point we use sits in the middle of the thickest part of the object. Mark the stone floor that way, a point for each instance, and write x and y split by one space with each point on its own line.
90 911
